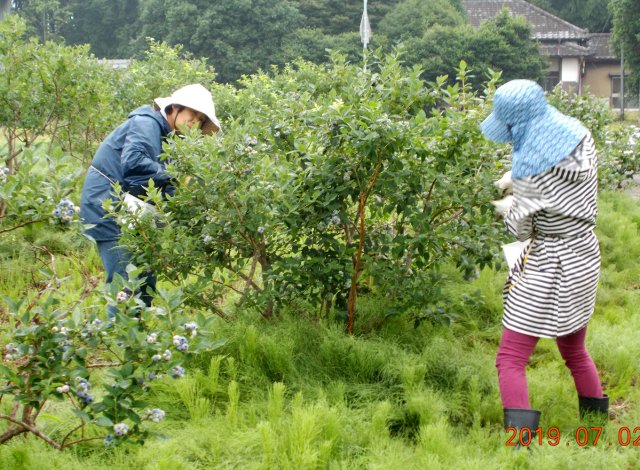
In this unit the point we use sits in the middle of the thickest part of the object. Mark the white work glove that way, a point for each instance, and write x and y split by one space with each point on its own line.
503 205
505 183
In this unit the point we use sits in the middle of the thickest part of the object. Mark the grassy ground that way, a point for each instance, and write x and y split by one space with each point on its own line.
297 393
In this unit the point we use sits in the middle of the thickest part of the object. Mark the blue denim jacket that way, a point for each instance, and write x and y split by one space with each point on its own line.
130 155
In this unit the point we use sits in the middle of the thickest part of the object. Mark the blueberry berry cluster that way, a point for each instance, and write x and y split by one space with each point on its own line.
152 338
4 172
65 211
156 415
63 330
82 390
165 356
120 429
93 328
177 372
192 328
11 352
152 376
181 343
122 296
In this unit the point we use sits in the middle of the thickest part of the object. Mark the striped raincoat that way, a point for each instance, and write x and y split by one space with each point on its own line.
551 290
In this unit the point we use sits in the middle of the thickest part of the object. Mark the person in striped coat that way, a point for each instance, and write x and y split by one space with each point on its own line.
551 290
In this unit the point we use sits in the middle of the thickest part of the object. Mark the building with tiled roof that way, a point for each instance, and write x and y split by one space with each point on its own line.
544 25
601 47
578 59
563 49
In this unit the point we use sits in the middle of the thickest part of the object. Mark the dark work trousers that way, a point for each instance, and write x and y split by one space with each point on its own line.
115 260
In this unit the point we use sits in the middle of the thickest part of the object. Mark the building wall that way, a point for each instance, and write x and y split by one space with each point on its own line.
570 76
598 78
570 70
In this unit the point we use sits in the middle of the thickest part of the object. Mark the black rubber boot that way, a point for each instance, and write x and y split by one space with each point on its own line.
590 406
525 421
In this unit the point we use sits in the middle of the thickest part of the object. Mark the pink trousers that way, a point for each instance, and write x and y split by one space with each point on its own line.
514 352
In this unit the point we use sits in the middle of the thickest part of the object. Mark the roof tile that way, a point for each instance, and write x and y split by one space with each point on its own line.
544 25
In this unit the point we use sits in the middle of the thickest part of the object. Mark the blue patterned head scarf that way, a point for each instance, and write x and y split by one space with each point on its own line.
541 135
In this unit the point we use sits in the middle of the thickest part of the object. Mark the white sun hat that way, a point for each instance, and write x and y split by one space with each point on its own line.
198 98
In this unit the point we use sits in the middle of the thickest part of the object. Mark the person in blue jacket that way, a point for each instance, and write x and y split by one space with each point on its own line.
130 156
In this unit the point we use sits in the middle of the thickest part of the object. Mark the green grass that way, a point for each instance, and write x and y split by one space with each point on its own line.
297 393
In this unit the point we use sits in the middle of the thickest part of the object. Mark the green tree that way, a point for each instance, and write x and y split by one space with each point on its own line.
44 18
237 37
504 44
626 33
313 45
590 14
501 44
412 18
337 16
107 25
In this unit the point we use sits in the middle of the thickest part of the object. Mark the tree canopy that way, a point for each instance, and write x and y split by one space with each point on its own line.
238 37
109 26
590 14
626 27
412 18
245 36
501 44
338 17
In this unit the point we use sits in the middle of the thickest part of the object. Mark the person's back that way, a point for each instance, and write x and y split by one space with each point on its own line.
553 292
569 190
130 156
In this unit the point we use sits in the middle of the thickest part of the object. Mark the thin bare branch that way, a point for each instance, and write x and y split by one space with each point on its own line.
32 429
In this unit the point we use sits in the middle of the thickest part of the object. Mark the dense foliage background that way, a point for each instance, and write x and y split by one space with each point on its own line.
242 37
593 15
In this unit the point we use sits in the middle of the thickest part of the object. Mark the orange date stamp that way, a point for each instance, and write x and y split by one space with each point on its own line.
583 436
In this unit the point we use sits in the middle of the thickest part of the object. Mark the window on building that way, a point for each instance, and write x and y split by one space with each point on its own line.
551 80
631 97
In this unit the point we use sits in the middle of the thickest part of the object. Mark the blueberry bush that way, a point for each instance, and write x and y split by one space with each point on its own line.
618 149
57 348
328 181
58 103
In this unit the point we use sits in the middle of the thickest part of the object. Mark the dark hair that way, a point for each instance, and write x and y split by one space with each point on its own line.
169 108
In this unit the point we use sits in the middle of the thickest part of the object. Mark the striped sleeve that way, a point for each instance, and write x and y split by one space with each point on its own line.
528 199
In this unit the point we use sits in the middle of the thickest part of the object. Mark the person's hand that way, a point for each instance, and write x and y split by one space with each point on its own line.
503 205
189 179
505 183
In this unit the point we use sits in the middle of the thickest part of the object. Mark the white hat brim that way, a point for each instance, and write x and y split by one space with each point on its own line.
197 98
